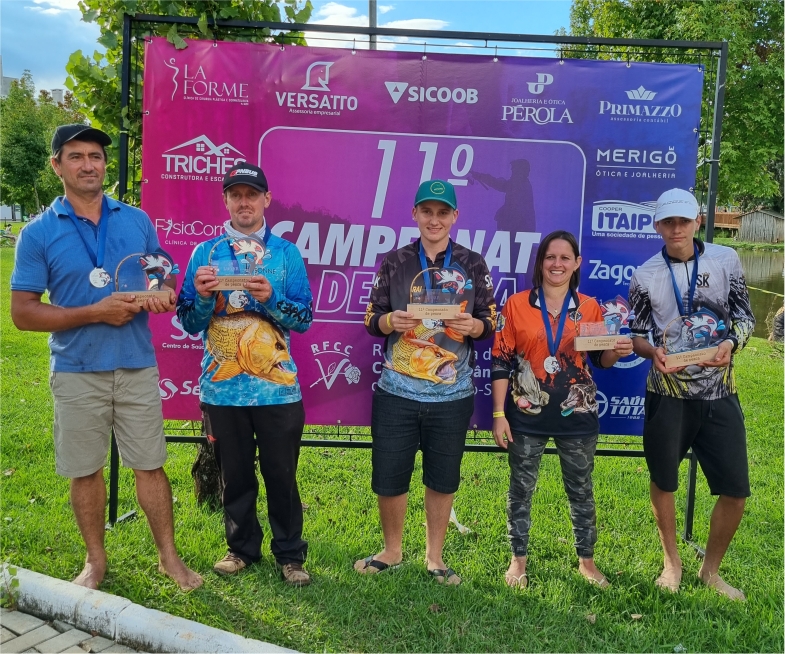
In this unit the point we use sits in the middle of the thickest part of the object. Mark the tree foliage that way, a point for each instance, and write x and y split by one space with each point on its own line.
95 80
26 127
751 160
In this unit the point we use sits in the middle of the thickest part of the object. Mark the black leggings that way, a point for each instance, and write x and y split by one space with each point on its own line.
278 429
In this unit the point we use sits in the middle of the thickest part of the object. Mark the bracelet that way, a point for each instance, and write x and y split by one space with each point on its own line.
389 324
498 414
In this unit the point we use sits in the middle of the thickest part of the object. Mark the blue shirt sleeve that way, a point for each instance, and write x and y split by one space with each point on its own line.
193 310
151 237
31 269
295 311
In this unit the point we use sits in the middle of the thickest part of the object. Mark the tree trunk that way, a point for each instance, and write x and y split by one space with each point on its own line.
206 471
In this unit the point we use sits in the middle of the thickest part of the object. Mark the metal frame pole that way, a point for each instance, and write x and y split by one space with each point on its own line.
114 481
122 186
716 130
372 22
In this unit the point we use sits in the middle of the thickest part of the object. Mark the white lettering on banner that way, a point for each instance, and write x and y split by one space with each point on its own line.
538 115
620 273
168 389
671 111
430 149
431 93
622 407
622 155
341 245
196 85
336 293
640 112
195 228
206 158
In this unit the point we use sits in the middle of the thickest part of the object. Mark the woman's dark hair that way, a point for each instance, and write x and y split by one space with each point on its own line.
543 248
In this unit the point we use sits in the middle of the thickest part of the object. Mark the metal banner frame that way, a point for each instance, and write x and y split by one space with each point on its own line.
714 54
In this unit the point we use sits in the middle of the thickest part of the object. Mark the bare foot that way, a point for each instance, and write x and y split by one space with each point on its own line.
183 576
92 574
372 566
718 583
670 578
516 576
587 568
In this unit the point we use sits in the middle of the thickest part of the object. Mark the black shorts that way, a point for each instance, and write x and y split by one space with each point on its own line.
714 429
400 427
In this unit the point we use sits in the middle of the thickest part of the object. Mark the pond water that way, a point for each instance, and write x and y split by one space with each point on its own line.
763 270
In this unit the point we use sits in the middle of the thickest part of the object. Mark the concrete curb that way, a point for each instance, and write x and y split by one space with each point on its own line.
120 619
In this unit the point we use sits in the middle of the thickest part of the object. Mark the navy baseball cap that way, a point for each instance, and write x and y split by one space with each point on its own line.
78 132
245 173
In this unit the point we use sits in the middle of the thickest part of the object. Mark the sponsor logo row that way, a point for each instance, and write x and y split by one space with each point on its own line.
315 96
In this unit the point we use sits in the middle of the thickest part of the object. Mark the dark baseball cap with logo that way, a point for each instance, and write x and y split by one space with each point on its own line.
78 132
245 173
436 189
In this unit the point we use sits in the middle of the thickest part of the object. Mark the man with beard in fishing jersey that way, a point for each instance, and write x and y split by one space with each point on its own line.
248 386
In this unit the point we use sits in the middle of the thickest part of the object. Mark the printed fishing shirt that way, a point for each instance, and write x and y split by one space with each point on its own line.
721 289
430 363
247 359
563 404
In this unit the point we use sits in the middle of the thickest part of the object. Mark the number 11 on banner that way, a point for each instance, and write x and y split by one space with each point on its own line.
457 167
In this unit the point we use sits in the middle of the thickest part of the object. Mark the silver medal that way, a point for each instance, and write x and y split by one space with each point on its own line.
238 299
99 278
551 365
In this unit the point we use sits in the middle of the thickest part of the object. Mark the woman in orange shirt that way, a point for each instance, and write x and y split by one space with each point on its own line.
552 395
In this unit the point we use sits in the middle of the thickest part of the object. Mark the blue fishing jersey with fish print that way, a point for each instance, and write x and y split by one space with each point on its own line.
247 360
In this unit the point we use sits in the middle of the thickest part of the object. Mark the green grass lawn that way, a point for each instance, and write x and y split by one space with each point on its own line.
405 610
744 245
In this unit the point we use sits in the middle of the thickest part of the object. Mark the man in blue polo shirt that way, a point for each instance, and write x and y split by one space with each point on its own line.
103 370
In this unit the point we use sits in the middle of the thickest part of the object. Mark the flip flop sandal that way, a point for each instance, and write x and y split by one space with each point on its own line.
517 579
443 576
380 566
602 583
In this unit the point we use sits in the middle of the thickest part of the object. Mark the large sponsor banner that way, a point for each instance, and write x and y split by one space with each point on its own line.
531 144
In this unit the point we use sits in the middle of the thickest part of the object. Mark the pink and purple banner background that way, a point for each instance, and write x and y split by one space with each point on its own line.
532 145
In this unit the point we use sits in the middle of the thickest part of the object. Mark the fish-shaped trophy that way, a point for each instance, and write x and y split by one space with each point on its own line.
248 255
146 276
616 315
437 293
688 340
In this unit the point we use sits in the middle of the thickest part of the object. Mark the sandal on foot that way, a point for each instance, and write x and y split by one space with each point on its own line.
379 566
602 583
444 576
516 580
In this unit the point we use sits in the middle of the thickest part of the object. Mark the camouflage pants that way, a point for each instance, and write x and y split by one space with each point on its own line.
576 456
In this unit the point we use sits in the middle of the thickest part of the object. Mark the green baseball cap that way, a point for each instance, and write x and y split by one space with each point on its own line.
436 189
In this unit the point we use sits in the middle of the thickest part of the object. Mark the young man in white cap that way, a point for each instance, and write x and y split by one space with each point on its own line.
693 290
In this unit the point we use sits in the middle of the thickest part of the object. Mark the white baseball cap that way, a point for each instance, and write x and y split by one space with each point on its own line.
676 203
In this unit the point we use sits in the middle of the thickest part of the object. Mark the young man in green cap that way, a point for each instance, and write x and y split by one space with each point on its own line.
425 395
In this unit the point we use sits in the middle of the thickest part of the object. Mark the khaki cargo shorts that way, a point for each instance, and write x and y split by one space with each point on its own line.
87 406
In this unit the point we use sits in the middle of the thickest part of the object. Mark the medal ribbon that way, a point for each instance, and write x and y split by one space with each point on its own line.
424 263
553 346
693 283
103 226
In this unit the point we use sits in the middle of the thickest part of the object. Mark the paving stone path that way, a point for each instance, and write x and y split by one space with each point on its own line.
21 632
